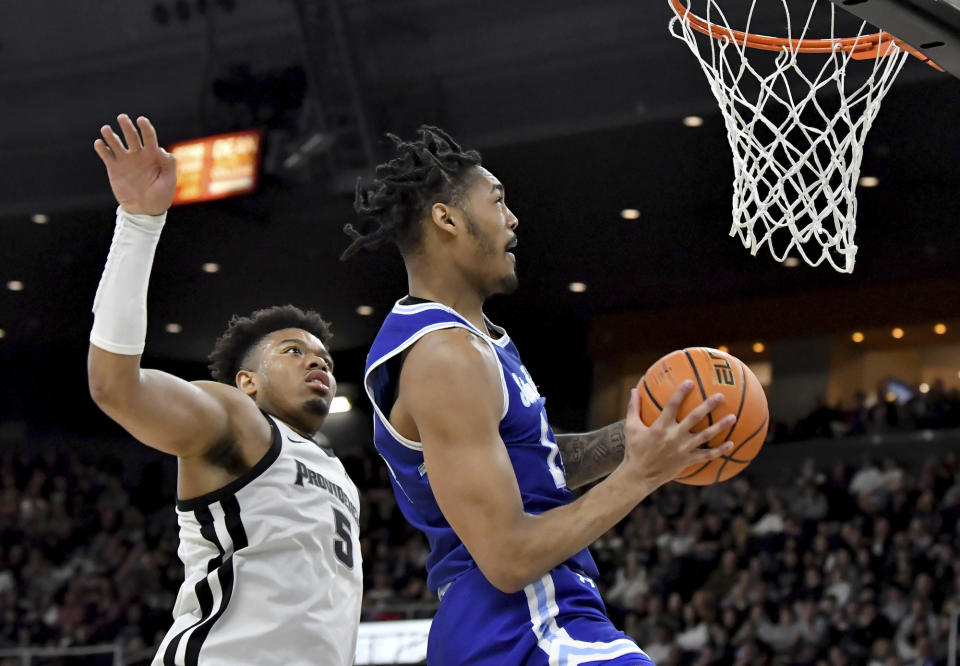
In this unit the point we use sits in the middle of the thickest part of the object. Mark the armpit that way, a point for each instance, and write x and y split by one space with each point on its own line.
226 454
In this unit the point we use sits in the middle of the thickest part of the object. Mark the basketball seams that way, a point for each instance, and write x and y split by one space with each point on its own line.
693 473
703 395
756 432
650 393
700 474
743 399
696 373
727 458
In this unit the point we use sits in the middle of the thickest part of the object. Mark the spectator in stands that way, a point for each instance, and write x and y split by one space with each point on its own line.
662 649
784 636
824 421
811 506
867 586
868 479
630 585
915 631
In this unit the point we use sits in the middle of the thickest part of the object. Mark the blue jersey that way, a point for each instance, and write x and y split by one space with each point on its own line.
523 427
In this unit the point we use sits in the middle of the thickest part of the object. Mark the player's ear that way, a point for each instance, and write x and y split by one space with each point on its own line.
442 218
247 381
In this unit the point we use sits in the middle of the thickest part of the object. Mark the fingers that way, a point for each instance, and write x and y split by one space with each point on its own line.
673 404
633 410
148 132
169 159
707 434
706 455
699 413
130 133
112 146
112 140
103 151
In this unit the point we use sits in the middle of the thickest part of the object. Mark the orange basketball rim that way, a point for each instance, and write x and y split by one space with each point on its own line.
865 47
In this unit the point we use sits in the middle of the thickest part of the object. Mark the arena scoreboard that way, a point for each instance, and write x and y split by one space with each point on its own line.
215 167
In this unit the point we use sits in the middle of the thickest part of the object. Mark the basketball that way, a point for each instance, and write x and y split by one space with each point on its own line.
712 371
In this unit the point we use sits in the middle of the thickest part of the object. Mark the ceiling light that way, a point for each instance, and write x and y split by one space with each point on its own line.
315 144
725 349
924 388
340 404
630 214
210 267
897 333
577 287
869 181
292 160
791 262
364 310
39 218
758 347
693 121
857 336
173 327
15 285
940 329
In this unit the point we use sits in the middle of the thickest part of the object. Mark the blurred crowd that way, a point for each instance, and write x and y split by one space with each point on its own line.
841 566
83 560
892 406
88 560
846 567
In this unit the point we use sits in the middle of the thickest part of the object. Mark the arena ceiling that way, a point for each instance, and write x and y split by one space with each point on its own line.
575 104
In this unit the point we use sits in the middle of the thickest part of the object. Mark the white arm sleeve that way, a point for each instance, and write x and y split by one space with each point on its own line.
120 306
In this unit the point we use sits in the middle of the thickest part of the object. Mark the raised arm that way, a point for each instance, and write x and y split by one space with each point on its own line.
162 411
450 386
588 456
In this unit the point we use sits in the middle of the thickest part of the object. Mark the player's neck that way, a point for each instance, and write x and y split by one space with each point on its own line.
300 427
464 301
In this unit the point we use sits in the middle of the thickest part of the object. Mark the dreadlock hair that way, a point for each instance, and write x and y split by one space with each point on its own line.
425 171
243 333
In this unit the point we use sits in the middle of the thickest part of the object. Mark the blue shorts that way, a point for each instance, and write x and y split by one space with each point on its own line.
559 620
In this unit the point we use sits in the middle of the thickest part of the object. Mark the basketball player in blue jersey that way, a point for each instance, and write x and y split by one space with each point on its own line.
268 516
460 424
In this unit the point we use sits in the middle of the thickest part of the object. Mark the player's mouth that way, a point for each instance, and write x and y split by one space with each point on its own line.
317 379
512 244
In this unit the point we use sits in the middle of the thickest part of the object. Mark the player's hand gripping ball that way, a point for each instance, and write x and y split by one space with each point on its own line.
712 371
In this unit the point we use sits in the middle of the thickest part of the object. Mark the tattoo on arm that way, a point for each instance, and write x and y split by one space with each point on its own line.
591 455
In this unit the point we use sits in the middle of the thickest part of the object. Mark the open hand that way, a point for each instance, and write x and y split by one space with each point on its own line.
658 453
143 176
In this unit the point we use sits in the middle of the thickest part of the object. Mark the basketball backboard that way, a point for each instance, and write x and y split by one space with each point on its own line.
930 26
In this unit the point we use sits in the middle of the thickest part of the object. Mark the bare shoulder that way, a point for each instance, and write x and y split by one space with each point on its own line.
450 352
451 369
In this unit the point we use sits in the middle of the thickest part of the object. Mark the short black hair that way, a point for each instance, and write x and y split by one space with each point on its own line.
243 333
428 170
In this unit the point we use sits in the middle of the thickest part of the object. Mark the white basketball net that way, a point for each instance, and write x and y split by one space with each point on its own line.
796 134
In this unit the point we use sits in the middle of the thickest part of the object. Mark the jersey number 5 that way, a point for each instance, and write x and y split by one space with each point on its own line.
343 547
